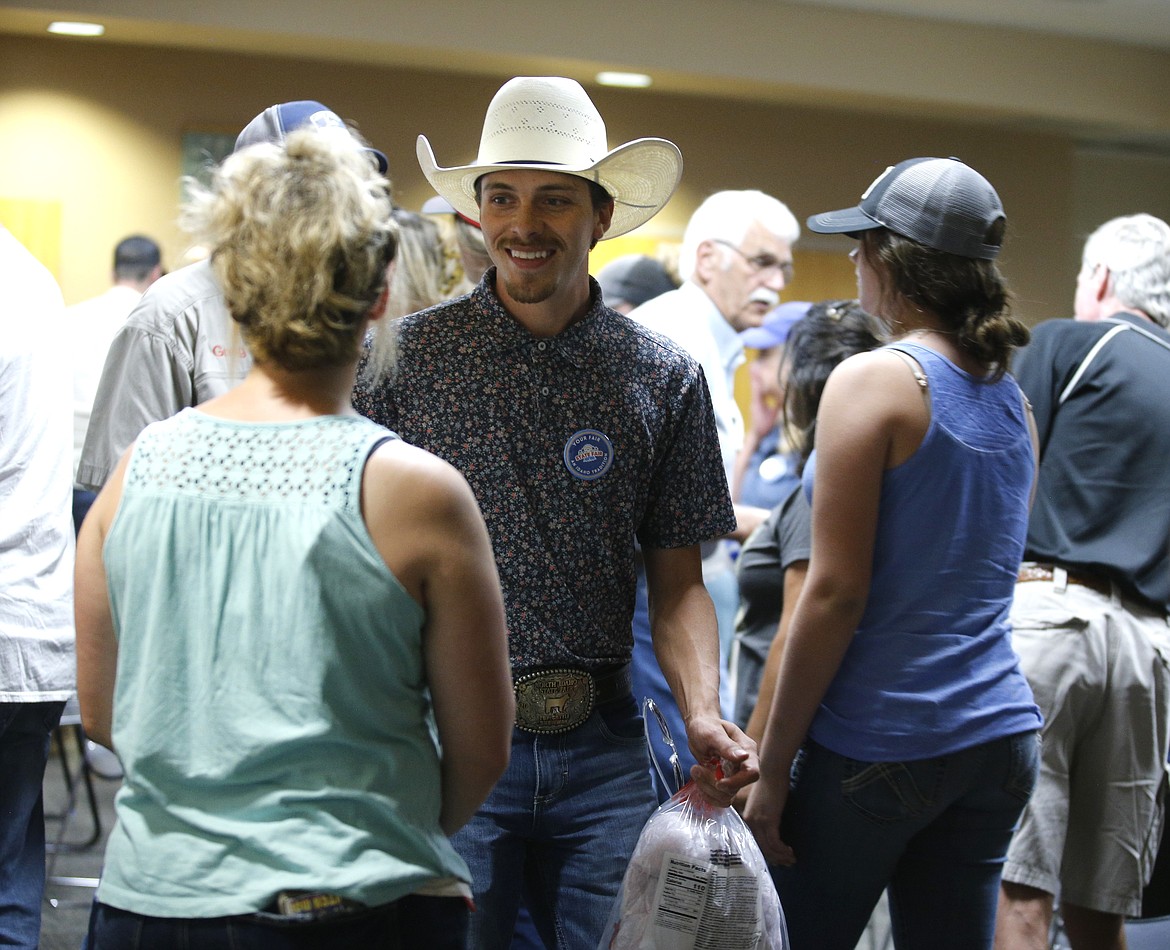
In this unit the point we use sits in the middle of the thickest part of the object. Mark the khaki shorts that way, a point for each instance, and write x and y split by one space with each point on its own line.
1100 670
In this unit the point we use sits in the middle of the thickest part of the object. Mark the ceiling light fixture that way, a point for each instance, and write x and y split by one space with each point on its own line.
72 28
626 80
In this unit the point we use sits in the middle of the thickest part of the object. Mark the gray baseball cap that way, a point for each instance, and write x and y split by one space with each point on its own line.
939 202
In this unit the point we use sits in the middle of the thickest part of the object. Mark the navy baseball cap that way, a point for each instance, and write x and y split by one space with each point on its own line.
939 202
275 122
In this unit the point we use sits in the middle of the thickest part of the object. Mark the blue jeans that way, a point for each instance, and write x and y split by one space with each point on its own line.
24 749
559 829
723 588
410 922
650 682
525 936
935 831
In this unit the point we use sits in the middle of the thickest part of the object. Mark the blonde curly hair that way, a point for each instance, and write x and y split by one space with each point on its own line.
300 237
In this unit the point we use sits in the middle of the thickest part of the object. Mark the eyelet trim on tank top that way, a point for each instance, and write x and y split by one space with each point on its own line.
313 462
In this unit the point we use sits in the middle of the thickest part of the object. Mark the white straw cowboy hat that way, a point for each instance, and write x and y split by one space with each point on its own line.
547 123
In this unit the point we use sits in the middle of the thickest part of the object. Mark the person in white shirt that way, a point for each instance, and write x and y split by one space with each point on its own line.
36 576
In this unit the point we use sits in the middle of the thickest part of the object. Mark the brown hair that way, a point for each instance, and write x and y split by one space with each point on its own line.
968 295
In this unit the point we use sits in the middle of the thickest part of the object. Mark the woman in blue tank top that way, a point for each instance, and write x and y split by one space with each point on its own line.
901 744
289 625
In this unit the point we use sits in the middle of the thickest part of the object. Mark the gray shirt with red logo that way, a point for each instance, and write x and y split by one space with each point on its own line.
178 348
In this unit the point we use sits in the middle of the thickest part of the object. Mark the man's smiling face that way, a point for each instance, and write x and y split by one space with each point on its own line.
539 227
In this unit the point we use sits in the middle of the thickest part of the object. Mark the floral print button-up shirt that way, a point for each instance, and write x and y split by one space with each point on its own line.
574 445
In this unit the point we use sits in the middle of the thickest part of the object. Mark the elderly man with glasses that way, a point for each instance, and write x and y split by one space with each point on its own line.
736 257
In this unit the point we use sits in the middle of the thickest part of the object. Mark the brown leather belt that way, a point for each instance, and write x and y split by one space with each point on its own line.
561 699
1046 572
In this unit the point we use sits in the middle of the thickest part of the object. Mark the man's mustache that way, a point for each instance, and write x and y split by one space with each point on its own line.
765 295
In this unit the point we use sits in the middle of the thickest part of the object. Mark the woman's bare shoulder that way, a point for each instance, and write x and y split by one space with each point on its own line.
415 479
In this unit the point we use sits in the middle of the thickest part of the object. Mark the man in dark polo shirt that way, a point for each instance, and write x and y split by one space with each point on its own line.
1089 617
578 430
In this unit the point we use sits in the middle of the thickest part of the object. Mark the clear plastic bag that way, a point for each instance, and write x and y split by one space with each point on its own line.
696 881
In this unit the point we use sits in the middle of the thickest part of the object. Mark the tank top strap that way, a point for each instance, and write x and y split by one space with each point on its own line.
371 439
915 367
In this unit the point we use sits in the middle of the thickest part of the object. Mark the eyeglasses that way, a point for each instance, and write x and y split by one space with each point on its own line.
760 263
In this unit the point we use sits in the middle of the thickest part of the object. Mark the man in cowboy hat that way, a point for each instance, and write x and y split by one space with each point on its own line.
578 430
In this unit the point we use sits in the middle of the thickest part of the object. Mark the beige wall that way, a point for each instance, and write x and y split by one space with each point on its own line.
766 50
96 128
1110 182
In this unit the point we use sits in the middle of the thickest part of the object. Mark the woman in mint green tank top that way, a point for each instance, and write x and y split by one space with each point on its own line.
901 744
289 625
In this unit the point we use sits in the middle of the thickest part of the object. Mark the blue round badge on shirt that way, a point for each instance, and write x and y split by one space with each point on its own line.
588 454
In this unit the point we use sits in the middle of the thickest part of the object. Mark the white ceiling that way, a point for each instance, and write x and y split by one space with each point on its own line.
1141 22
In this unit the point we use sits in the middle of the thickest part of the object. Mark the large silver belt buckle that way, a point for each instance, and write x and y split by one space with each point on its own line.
552 701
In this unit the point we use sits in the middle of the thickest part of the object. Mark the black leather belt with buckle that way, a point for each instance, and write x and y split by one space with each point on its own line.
561 699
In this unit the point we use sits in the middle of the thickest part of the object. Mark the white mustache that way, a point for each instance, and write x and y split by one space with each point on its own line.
765 295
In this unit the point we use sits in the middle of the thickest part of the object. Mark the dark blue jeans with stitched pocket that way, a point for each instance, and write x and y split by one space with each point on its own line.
934 831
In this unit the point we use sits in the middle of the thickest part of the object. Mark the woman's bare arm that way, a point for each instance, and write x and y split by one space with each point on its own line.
426 523
96 644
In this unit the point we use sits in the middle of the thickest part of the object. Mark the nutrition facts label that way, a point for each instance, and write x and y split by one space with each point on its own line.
706 906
